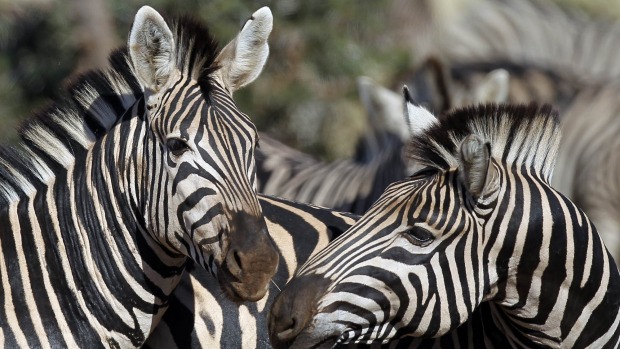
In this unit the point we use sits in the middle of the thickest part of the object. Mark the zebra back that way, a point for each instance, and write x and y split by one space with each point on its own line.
346 185
200 316
543 34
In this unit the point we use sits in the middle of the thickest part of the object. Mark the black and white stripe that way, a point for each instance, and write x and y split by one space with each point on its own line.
112 189
477 250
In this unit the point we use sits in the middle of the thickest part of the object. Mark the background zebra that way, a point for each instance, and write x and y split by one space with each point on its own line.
354 184
477 249
112 189
200 316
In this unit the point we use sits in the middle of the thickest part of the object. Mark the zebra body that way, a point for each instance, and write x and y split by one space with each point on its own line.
347 185
476 250
200 316
111 191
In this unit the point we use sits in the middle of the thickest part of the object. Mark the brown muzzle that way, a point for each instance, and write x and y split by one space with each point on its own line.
251 259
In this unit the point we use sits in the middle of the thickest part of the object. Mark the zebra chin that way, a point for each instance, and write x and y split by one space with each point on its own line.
311 337
239 291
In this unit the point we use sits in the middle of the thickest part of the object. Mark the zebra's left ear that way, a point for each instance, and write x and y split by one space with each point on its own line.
478 173
151 49
417 117
243 59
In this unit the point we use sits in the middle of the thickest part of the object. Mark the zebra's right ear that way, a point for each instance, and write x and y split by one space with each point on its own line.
151 49
494 87
417 117
243 59
477 170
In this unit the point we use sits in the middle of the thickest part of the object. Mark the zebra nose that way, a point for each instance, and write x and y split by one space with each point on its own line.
251 259
294 308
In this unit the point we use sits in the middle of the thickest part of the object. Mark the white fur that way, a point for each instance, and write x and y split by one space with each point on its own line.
243 59
418 118
494 87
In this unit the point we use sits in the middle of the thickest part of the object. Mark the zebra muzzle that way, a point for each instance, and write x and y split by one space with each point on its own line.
294 308
251 259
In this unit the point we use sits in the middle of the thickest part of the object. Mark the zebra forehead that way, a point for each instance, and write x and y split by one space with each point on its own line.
526 135
196 50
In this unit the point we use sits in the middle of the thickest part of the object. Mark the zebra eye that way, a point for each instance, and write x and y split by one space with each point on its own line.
177 146
419 236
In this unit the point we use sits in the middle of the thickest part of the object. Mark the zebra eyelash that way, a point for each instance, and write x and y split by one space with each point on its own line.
419 236
177 146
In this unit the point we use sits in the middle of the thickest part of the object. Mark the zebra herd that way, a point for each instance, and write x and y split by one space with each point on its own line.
131 215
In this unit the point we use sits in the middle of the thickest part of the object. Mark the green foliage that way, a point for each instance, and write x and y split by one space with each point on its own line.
318 48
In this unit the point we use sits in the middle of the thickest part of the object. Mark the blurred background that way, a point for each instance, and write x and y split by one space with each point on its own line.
307 95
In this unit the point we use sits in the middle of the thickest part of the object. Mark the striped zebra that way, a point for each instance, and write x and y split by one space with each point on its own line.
354 184
558 56
200 316
476 250
114 189
347 185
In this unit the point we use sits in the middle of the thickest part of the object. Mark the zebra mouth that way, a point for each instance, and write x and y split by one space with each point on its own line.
237 290
304 341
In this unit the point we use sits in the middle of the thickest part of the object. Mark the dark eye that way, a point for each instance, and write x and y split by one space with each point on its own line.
176 146
419 236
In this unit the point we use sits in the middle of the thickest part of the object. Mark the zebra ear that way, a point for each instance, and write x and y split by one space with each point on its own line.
151 48
494 87
383 106
477 172
417 117
243 59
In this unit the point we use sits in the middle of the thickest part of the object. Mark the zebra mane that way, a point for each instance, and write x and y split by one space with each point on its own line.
526 135
537 34
53 139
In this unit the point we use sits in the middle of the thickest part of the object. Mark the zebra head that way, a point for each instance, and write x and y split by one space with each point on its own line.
199 148
457 233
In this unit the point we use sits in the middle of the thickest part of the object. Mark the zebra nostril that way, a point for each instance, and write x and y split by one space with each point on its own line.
233 262
290 331
238 260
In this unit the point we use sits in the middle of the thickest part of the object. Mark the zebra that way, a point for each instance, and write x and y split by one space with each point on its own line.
347 184
558 56
354 184
113 189
475 250
199 315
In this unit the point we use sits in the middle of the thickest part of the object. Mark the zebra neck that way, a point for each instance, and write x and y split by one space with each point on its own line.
129 274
